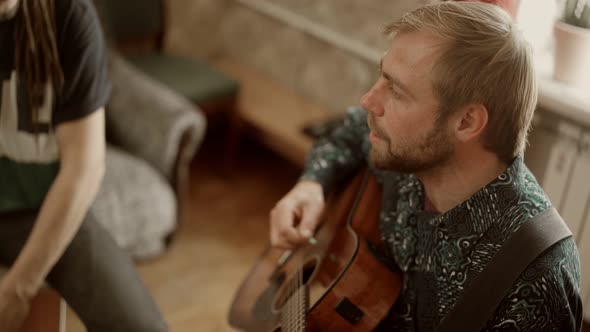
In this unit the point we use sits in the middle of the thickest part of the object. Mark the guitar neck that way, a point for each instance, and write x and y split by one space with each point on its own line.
294 312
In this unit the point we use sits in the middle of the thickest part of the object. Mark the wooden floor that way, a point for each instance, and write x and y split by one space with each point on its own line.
226 230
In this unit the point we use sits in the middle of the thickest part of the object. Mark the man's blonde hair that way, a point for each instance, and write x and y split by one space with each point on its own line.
487 61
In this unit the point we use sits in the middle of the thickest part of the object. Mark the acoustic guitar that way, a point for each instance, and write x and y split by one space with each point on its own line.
338 283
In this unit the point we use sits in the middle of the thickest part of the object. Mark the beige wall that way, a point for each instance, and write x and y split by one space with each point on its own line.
193 26
313 66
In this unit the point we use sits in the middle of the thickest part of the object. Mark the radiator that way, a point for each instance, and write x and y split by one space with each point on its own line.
565 152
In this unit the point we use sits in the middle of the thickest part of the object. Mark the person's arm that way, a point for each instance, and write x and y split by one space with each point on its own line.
294 218
78 119
336 156
82 154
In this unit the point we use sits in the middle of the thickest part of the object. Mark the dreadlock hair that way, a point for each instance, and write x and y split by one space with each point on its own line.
36 56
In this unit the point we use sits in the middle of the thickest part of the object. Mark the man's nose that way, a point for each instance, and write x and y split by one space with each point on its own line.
370 101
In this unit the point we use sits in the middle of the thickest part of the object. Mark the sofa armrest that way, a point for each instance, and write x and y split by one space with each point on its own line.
150 121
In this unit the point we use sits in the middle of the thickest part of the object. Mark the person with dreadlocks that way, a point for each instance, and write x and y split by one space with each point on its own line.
53 90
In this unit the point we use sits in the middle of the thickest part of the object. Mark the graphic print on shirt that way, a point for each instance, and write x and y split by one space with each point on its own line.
19 141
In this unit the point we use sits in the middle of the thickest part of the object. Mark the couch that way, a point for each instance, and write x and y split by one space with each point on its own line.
152 135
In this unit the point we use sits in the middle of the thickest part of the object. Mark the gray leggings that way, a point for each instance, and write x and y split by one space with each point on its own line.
95 277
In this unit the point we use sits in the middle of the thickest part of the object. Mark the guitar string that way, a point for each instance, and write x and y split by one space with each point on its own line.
298 302
287 305
292 304
294 309
300 307
298 312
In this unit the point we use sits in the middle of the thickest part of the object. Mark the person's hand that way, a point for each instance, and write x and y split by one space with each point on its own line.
295 217
14 306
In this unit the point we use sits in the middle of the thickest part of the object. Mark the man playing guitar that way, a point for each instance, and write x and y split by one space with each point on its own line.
443 130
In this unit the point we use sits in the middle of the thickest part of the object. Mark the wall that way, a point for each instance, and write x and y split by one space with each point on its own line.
193 26
251 32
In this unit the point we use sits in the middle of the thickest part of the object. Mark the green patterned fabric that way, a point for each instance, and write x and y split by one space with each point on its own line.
439 255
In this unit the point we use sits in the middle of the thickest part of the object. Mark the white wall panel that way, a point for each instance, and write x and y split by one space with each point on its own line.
560 162
575 200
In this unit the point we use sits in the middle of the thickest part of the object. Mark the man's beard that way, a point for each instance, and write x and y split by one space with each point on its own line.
8 10
427 153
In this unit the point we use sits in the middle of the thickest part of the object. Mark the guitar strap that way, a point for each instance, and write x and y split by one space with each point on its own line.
481 298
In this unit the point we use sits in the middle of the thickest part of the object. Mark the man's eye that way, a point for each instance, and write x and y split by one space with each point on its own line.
395 92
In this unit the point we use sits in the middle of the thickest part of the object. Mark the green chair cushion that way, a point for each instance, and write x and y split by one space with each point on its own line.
193 79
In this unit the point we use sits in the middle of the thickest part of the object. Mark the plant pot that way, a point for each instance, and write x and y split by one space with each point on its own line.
572 55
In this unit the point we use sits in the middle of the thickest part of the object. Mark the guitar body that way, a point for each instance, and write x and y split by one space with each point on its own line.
347 287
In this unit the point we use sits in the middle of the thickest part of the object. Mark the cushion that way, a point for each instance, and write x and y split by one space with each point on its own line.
195 80
135 204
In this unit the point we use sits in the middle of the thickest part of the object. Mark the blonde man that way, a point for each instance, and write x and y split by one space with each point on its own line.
443 129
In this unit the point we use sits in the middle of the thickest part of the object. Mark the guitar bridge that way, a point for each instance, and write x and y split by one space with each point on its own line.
349 311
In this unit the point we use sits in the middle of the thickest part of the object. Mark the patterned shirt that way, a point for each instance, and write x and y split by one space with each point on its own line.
439 255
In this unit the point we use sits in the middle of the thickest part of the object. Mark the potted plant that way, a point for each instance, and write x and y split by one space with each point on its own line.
572 44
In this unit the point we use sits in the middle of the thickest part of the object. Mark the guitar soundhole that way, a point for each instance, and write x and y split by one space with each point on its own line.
295 282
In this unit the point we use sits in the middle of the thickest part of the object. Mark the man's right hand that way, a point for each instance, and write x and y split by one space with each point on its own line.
295 217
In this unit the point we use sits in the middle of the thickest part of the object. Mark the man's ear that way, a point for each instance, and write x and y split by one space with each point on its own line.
470 123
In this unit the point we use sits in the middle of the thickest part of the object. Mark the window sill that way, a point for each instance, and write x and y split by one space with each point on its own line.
559 98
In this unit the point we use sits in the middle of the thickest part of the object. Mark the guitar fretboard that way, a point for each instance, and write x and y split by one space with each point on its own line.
294 311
